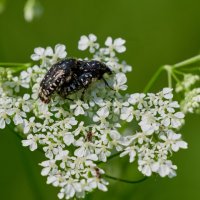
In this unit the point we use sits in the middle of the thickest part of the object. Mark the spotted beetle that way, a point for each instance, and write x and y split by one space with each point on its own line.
71 75
59 74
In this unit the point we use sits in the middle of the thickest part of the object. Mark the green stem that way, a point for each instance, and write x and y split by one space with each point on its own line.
15 67
169 69
5 64
124 180
178 72
176 78
153 79
192 69
120 179
169 77
187 62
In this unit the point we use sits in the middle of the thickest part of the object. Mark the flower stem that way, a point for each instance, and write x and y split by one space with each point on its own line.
187 62
168 68
191 69
124 180
176 78
5 64
153 79
15 67
178 72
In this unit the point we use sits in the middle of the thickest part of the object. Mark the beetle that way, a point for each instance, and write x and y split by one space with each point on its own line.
60 73
71 75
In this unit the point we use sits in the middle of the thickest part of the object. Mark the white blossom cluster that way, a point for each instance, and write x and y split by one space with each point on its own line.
190 86
191 102
156 139
76 135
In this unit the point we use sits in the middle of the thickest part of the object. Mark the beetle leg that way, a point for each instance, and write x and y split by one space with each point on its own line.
106 83
85 80
83 94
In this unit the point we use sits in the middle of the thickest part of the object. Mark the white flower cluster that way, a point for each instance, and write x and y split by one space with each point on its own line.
76 135
191 103
155 139
188 81
191 100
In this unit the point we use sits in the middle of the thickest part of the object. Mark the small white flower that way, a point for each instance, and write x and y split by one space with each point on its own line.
116 45
102 114
81 128
48 166
79 107
5 112
147 166
70 189
137 98
18 116
31 125
63 156
116 140
127 114
41 53
118 105
88 42
24 103
148 123
97 181
167 93
68 123
59 52
166 168
4 119
123 67
173 141
120 82
131 151
142 137
32 141
56 180
68 138
17 83
175 120
85 146
52 147
102 151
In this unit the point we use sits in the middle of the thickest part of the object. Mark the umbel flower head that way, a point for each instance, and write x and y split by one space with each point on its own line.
189 86
76 135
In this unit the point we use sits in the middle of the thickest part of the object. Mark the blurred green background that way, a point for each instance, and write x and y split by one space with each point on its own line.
157 32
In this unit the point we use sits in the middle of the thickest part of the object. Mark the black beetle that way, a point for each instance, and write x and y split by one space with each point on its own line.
70 75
